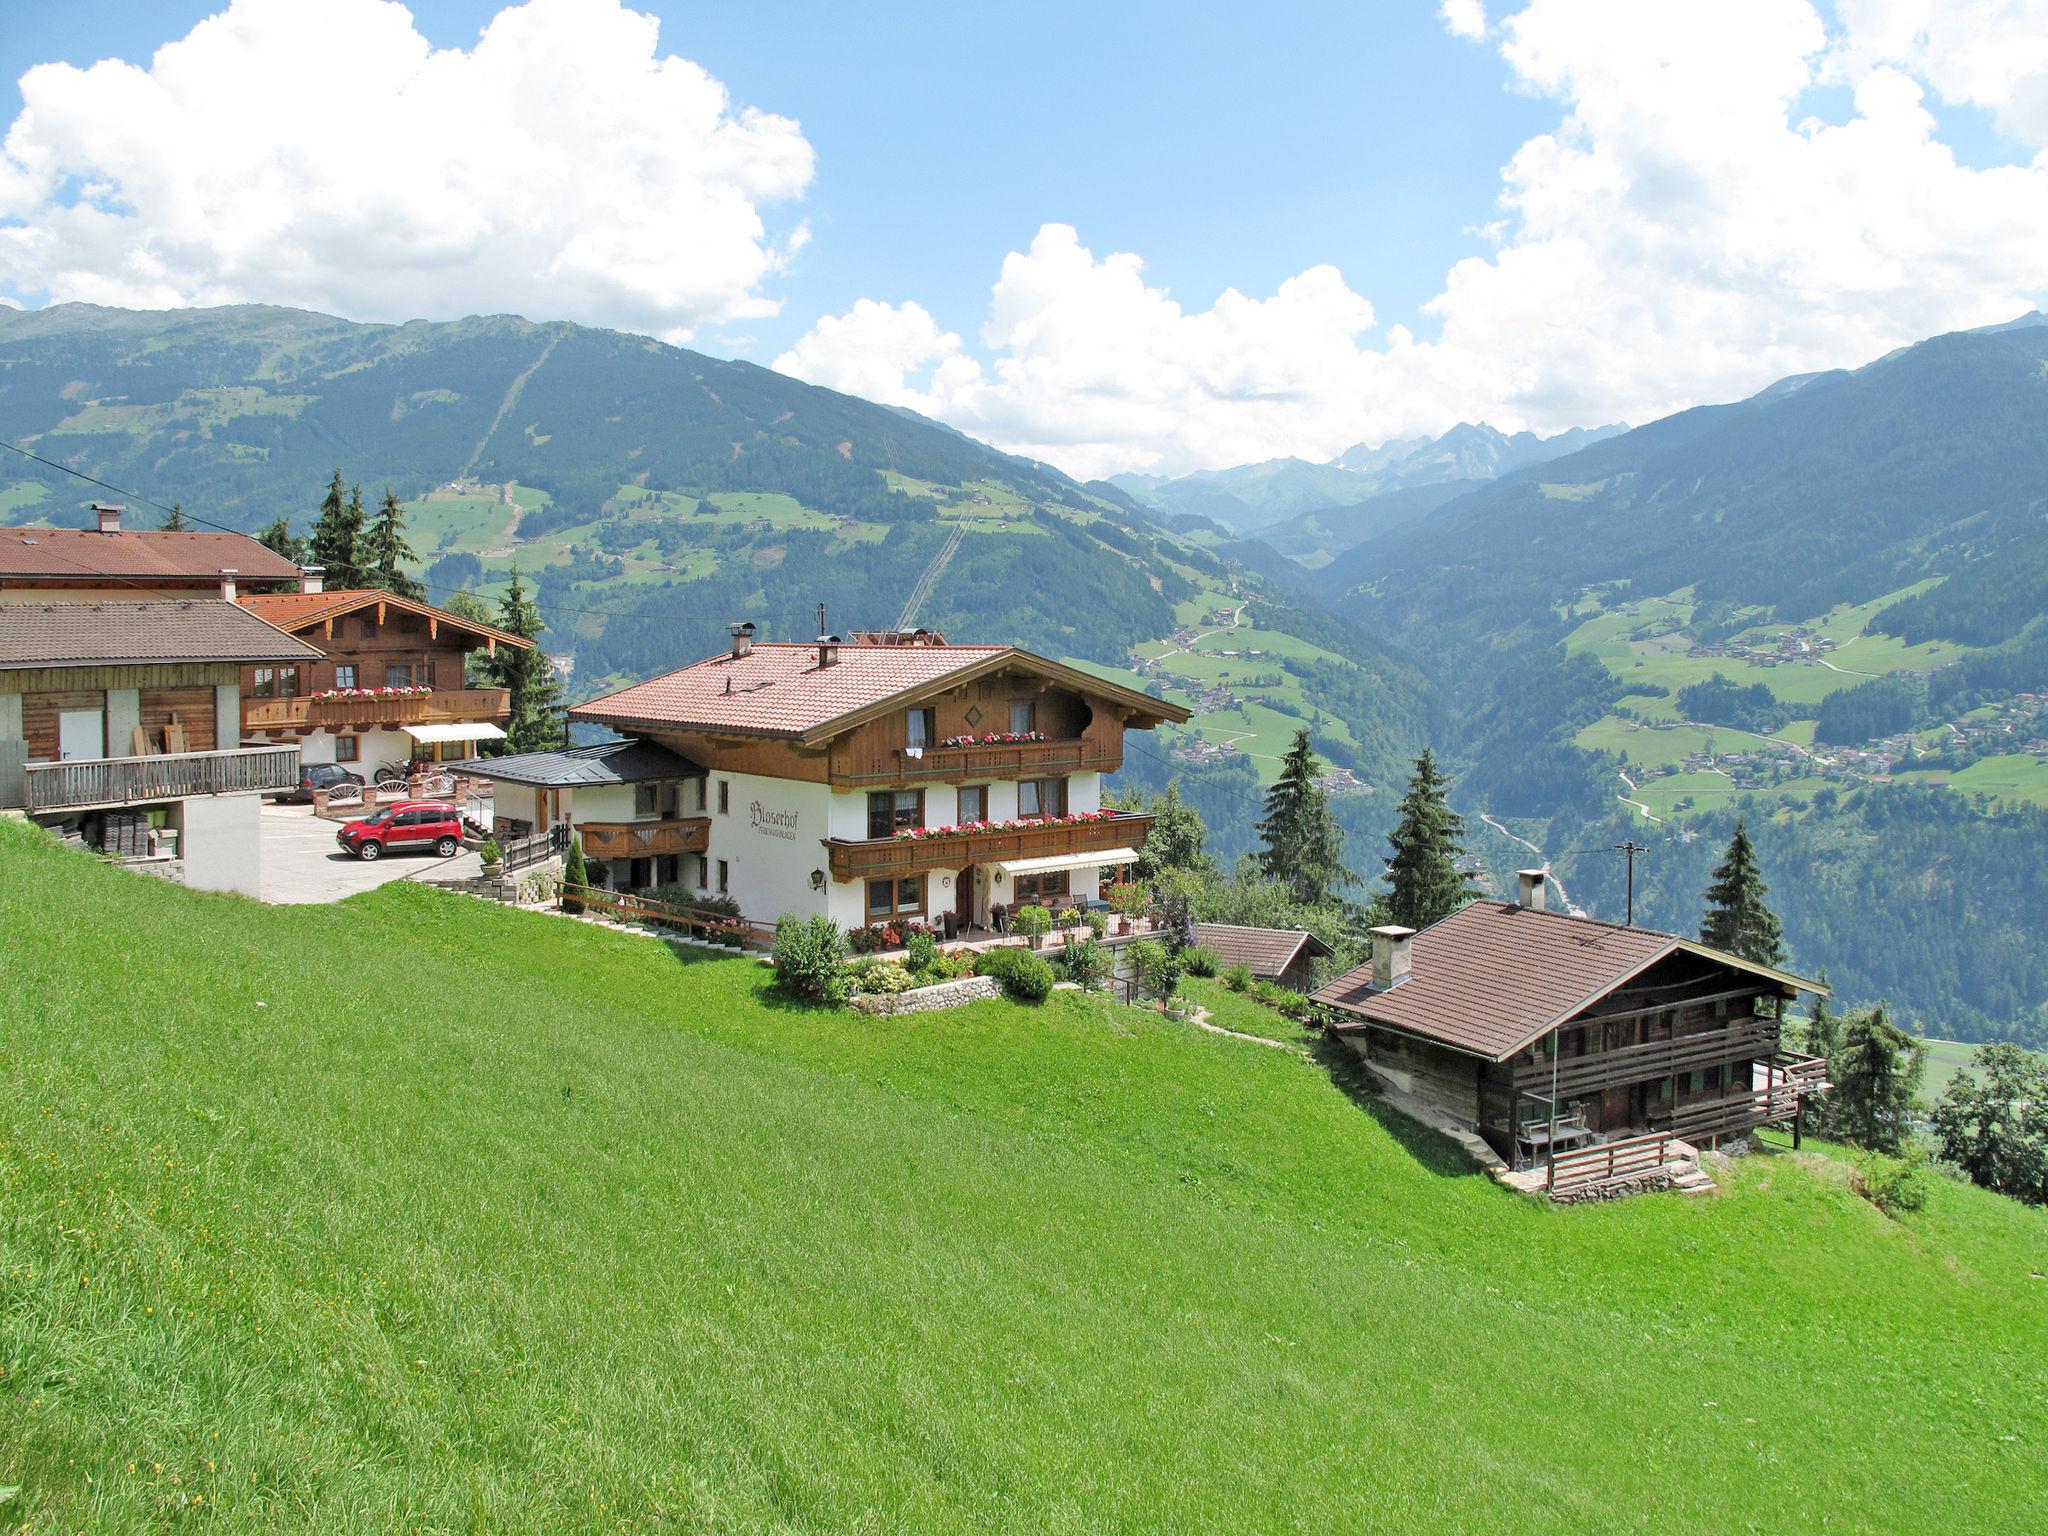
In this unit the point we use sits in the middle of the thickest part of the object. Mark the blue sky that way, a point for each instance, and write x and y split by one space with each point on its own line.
1139 236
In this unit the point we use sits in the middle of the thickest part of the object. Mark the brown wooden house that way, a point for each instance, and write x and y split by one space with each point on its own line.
1541 1031
116 564
1283 955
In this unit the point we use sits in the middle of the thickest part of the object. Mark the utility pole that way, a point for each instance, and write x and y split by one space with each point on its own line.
1631 848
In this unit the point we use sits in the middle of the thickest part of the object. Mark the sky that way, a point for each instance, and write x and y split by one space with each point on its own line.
1141 237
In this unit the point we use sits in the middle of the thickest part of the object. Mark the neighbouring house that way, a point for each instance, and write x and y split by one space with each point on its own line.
1540 1030
881 779
638 807
119 724
110 562
1283 955
388 684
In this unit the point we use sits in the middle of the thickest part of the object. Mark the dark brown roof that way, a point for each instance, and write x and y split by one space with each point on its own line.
138 554
780 690
1492 977
1267 952
302 610
197 629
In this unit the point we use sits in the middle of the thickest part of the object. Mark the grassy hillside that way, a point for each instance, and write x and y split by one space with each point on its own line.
417 1213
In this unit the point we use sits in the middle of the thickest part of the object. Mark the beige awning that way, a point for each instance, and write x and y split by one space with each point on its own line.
1055 861
433 735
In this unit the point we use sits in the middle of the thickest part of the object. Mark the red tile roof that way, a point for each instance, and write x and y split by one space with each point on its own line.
302 610
138 554
1492 977
1267 952
778 689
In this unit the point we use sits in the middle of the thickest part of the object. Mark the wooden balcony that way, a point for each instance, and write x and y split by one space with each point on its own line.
1744 1039
100 782
1096 753
880 857
644 839
444 706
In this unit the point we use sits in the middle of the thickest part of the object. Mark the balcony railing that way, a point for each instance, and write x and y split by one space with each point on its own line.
880 857
1743 1039
84 783
997 760
442 706
644 839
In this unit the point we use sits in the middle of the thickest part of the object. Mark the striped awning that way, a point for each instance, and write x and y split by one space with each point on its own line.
1102 858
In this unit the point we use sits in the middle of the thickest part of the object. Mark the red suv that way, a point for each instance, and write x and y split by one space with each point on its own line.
423 826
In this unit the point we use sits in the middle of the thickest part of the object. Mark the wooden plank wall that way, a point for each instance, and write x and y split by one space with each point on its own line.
39 712
191 709
360 640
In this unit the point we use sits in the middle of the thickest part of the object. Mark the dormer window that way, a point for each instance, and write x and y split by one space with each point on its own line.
920 727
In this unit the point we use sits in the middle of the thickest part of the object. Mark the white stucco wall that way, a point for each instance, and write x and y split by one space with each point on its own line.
220 840
771 839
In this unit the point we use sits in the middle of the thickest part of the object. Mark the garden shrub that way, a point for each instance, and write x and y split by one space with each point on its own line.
1085 963
1892 1184
1023 975
810 958
1199 959
574 872
920 950
1238 978
1032 922
1098 922
883 978
1280 999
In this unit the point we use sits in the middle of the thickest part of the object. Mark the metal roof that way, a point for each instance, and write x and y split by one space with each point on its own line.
610 762
164 632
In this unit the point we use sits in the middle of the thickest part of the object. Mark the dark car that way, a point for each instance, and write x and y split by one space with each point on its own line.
314 776
410 826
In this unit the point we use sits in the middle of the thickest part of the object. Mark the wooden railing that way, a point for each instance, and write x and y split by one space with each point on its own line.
997 760
877 858
1585 1166
642 839
627 908
533 848
106 781
442 706
1743 1039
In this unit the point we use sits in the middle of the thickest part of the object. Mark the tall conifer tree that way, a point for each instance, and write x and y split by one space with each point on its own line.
1424 882
336 544
1737 919
1304 845
176 523
1875 1073
278 538
536 703
388 551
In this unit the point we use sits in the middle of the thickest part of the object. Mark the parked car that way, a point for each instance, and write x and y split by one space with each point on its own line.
410 826
314 776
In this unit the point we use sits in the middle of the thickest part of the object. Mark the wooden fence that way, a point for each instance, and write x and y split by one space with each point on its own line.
1586 1166
627 908
534 848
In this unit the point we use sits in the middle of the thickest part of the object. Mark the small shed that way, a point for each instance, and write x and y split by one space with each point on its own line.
1283 955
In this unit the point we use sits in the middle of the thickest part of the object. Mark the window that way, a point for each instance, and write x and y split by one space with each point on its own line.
405 674
1041 797
1023 716
277 683
724 796
724 878
348 749
345 675
894 898
893 811
646 799
920 727
973 803
1043 887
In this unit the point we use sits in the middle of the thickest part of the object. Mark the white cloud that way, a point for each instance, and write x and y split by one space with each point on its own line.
1987 53
326 155
1686 232
1464 18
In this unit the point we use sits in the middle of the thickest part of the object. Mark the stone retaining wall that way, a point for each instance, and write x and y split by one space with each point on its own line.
944 994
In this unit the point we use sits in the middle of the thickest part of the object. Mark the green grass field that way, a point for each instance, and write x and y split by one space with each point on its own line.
421 1214
2016 776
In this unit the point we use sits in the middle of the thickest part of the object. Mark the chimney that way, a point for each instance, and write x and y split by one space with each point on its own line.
828 651
1532 888
742 639
312 578
1390 956
110 517
227 583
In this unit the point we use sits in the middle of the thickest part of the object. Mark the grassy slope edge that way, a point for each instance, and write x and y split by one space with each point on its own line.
488 1221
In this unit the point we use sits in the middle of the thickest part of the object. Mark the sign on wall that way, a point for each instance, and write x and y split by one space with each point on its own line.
769 823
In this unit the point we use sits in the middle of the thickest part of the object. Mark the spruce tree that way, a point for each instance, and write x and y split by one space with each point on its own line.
387 552
536 722
278 538
1424 882
337 542
1304 845
1737 920
176 523
1875 1072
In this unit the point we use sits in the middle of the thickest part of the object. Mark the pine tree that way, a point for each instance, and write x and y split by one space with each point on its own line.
1304 845
278 538
1737 920
176 523
1423 878
386 552
536 722
575 872
1874 1073
337 542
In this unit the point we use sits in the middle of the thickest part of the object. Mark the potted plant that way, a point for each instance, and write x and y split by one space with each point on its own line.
493 857
1126 901
1033 922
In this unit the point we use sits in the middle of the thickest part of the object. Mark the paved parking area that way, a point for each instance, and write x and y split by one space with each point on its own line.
302 863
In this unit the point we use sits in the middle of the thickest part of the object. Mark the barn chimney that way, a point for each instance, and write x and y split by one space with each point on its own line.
1532 888
110 517
312 577
227 583
1390 956
742 639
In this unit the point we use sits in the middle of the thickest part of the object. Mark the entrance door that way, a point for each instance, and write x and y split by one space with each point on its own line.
963 885
1614 1109
81 733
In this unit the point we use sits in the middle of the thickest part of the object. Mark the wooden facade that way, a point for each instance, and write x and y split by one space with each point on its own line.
176 705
